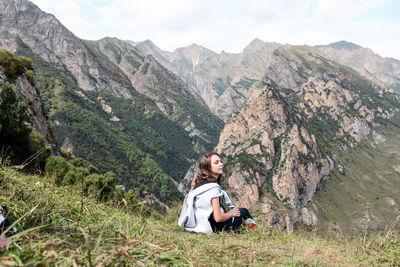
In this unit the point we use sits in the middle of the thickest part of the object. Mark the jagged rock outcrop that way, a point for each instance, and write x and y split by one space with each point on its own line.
36 109
37 113
272 154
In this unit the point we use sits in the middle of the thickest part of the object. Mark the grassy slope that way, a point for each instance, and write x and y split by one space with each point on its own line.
79 231
364 190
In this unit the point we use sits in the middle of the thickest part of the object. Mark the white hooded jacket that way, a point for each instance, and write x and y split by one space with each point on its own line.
197 208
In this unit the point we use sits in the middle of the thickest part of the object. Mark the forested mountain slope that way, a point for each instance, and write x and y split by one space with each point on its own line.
97 112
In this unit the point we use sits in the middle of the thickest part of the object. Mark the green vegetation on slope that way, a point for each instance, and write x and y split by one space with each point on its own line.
14 67
14 133
18 142
109 145
60 226
365 182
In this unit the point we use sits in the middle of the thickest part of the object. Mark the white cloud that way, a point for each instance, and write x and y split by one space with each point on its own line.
227 24
386 49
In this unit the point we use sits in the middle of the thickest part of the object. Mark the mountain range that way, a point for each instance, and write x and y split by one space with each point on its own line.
100 108
292 121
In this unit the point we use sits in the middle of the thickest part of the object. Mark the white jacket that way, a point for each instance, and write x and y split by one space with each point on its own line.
197 208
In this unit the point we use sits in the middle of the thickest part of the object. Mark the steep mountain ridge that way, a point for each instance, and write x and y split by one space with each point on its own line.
283 142
54 43
223 80
175 100
384 71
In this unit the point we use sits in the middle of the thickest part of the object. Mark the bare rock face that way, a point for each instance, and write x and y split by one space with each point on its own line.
271 155
224 80
246 124
328 94
285 69
357 128
247 192
36 109
37 114
187 183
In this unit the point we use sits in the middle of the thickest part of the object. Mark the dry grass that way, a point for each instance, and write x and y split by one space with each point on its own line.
98 234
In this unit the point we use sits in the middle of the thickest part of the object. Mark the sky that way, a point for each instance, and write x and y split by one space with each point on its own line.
230 25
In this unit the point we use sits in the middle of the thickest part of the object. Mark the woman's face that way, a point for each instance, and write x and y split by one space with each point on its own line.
217 167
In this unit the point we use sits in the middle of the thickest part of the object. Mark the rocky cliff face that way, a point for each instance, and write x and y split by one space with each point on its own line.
223 80
273 157
281 144
37 113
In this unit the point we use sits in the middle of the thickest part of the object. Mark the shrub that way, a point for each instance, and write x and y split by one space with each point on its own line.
30 76
107 186
25 62
92 169
57 167
80 174
38 145
92 183
69 178
13 67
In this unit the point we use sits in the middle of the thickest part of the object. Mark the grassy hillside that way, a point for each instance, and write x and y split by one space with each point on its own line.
363 190
60 227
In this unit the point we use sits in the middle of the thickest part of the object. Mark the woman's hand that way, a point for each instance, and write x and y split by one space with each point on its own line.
218 215
235 212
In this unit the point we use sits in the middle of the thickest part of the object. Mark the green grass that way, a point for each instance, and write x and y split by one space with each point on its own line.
75 231
365 188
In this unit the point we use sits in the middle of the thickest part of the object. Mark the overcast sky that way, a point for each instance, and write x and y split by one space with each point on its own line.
230 25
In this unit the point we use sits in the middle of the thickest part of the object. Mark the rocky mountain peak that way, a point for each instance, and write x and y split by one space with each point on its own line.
343 45
147 43
258 44
195 51
25 25
18 5
382 71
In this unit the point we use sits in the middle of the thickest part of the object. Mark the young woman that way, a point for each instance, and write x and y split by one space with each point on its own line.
202 211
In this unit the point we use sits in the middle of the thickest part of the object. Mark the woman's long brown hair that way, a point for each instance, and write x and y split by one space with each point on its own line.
204 172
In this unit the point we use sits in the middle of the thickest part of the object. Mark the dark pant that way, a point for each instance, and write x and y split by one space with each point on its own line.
232 223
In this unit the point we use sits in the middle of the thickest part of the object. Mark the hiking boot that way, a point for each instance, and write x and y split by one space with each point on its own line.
249 222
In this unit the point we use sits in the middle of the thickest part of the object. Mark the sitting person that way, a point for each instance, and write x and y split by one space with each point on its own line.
6 222
202 211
